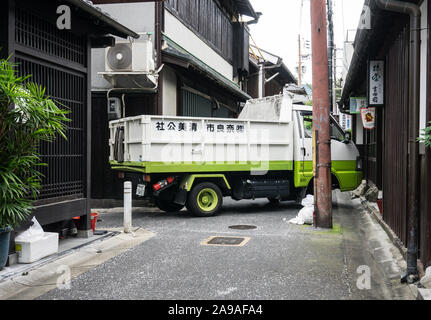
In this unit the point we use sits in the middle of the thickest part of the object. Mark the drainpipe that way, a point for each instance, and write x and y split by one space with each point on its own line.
330 52
413 146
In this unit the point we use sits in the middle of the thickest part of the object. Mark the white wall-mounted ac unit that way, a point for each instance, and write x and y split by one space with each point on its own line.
127 56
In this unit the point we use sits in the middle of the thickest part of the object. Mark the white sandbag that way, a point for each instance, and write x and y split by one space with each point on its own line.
308 201
296 220
305 215
33 233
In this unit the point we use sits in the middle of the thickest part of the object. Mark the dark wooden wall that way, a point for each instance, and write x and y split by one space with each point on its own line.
425 204
373 151
396 136
105 182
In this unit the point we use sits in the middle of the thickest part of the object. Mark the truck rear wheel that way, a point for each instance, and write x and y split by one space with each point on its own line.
168 206
205 199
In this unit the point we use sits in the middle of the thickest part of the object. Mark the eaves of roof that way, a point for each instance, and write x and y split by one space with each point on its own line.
106 22
368 44
175 50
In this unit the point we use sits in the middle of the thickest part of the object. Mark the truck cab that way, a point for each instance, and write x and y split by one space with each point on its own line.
346 165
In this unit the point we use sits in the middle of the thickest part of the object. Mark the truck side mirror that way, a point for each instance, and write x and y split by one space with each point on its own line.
347 137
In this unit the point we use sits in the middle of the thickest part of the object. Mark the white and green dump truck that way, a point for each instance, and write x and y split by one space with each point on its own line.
195 162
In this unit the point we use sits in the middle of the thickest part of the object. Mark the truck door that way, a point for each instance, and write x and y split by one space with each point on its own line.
344 157
303 150
307 125
344 154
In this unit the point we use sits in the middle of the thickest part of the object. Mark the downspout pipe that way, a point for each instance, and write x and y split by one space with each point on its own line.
413 146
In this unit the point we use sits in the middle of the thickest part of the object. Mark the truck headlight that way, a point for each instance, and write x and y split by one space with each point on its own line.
358 164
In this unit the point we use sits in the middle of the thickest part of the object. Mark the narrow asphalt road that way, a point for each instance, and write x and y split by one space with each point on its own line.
280 260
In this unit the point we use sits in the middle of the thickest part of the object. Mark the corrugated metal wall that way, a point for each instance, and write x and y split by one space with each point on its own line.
194 105
396 137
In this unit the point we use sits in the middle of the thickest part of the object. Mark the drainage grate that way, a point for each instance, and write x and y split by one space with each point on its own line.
242 227
225 241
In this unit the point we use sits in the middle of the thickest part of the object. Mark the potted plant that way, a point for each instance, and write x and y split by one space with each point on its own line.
27 117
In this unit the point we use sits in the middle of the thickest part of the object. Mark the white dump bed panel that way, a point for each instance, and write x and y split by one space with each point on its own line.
196 140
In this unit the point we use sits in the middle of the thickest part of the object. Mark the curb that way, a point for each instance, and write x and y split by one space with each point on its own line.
394 238
423 294
35 283
52 258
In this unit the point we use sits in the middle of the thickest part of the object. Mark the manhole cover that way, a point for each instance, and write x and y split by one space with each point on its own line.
225 241
242 227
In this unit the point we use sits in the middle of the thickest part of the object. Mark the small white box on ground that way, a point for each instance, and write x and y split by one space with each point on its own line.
30 251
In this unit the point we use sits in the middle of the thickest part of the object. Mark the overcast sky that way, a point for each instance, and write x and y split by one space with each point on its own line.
278 27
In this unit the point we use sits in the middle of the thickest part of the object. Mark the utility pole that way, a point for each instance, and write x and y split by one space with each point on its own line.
321 117
261 86
300 46
299 61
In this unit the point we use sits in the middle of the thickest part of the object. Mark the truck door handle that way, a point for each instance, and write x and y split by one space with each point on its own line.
304 151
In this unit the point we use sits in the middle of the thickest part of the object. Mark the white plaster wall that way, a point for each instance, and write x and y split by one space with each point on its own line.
138 16
423 68
169 92
183 36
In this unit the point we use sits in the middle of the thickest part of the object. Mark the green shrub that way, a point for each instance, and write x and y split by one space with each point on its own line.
426 136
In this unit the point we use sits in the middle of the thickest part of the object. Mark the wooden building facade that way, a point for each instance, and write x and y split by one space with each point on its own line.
60 61
385 148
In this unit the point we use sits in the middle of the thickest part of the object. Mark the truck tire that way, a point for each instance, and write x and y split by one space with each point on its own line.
168 206
205 199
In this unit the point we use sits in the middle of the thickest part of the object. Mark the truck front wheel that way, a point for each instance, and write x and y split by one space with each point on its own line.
205 199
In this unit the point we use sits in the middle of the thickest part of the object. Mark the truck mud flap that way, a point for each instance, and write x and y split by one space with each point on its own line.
181 197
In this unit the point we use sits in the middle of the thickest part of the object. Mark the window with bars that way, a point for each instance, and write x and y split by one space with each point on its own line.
65 175
34 32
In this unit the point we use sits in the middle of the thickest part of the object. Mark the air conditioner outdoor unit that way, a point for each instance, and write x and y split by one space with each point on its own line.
126 56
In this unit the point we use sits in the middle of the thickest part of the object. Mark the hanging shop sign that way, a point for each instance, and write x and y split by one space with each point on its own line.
376 83
356 103
368 116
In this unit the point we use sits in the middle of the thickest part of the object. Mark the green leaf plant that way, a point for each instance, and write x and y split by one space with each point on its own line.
27 117
426 136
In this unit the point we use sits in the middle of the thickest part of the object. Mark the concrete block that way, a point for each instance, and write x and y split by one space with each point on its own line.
85 233
12 259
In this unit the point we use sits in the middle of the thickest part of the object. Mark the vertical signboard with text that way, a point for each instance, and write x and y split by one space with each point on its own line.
376 83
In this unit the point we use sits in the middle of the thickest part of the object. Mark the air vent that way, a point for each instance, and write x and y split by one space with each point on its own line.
119 58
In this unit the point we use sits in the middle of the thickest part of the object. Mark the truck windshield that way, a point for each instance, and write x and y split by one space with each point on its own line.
336 132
